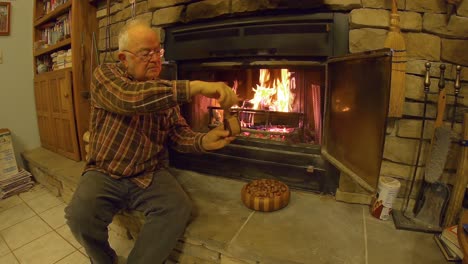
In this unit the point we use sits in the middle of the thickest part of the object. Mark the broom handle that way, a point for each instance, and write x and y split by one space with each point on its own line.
394 6
461 180
394 18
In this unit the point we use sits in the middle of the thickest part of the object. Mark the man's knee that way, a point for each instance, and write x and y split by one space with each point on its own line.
178 208
78 215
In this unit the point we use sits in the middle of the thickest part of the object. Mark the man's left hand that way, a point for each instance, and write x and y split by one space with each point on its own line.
217 138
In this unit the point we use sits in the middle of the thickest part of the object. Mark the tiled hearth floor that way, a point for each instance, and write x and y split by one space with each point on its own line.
312 229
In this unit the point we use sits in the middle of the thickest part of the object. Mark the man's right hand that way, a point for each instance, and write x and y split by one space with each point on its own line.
218 90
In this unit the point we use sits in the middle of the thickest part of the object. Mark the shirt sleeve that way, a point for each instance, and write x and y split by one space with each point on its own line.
181 137
113 91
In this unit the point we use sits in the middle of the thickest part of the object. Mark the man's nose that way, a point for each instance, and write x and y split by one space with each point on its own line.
155 57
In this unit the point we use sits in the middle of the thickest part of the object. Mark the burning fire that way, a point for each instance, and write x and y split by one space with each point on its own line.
275 92
265 92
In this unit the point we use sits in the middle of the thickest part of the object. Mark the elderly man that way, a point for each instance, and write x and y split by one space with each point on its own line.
134 118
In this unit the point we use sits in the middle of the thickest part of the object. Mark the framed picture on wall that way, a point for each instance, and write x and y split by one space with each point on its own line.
4 18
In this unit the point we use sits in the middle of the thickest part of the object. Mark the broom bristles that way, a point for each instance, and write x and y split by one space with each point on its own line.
395 41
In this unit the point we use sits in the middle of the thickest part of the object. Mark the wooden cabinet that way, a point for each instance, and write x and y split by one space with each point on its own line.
55 112
62 49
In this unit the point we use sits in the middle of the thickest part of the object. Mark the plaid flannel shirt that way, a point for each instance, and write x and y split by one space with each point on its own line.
132 123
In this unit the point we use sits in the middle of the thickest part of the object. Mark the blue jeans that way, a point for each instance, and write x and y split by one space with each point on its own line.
99 197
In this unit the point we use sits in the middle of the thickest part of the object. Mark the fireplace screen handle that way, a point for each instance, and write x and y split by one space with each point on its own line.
242 52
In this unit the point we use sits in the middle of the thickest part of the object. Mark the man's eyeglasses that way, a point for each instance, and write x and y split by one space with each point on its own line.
146 56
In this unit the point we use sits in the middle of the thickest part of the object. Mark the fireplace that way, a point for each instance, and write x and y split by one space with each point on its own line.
308 111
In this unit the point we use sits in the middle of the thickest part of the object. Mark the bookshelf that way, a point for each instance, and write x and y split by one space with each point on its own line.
62 48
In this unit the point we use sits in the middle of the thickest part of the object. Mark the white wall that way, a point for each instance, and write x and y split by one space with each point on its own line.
17 106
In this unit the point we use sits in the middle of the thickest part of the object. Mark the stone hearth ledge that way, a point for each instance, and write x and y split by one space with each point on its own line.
223 230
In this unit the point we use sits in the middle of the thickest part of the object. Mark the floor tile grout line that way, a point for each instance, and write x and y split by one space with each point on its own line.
53 208
52 229
366 253
19 221
11 206
34 240
55 231
8 246
16 257
66 239
37 213
43 220
66 256
13 251
46 192
242 227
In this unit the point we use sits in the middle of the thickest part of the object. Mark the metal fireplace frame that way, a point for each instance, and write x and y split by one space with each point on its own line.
308 40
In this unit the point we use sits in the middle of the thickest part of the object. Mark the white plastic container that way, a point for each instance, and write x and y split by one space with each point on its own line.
387 191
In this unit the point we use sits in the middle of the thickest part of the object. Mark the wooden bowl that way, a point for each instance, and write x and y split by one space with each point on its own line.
265 195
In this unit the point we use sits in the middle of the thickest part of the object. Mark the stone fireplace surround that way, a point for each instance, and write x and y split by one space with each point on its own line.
428 38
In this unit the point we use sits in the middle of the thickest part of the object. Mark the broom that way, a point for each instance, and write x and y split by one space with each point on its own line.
396 42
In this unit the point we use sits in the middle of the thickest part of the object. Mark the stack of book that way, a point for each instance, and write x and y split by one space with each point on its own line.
448 243
15 184
61 59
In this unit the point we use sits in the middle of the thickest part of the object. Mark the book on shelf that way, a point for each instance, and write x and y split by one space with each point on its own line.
51 5
57 30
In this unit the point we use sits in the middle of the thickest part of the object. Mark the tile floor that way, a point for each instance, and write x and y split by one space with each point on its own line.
33 231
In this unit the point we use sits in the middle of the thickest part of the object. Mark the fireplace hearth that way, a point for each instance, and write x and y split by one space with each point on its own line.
280 66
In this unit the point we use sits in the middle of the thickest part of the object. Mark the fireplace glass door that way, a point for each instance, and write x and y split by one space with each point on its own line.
357 97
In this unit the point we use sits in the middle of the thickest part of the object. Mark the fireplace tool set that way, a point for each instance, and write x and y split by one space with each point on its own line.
433 197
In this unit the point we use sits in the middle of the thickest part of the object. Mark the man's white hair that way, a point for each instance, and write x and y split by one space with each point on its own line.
123 34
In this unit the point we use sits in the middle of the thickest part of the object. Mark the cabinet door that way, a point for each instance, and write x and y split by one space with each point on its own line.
63 116
55 114
44 115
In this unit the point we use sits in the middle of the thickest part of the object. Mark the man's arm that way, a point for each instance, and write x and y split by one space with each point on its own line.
183 139
219 90
115 92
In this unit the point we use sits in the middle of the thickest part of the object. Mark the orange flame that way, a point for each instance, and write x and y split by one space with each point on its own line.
263 98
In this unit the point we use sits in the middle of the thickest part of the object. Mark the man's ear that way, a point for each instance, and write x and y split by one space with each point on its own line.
123 58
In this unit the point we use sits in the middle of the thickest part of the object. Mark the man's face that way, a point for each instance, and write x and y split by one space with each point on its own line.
143 55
